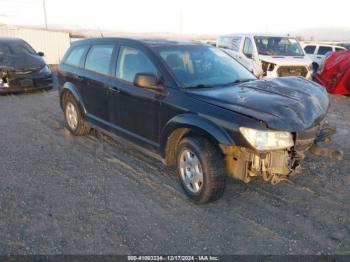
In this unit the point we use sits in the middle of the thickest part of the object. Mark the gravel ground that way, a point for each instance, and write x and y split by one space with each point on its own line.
90 195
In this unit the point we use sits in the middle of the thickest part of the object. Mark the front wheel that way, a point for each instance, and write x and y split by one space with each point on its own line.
201 169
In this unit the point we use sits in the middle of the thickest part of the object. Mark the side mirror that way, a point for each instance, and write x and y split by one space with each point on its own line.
148 81
41 54
248 55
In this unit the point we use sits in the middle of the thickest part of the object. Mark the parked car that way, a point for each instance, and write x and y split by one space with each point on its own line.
334 73
267 56
194 107
22 68
318 52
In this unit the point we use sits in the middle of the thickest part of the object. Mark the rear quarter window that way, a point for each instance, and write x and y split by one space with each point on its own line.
75 56
337 49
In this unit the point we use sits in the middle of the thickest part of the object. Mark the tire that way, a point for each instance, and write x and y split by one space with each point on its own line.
203 182
74 121
315 67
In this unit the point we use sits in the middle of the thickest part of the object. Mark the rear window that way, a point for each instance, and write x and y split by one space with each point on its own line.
75 56
99 59
322 50
310 49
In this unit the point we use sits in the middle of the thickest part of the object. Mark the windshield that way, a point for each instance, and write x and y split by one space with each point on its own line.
278 46
16 48
203 66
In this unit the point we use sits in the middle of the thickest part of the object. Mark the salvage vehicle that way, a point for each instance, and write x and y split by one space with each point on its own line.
334 73
22 68
318 52
194 107
267 56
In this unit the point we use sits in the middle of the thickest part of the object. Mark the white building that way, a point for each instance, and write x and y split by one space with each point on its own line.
53 44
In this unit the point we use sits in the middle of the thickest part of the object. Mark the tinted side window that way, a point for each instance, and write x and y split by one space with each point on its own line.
338 49
322 50
99 59
132 61
223 42
75 56
248 47
310 49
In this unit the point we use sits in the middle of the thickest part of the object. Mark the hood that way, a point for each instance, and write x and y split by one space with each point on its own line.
287 103
22 62
287 60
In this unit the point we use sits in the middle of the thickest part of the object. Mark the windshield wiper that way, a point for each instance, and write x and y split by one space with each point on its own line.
199 86
240 81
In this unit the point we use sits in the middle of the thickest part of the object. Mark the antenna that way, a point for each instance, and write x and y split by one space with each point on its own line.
101 33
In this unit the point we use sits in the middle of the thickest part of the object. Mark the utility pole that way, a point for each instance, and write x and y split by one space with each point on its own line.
45 14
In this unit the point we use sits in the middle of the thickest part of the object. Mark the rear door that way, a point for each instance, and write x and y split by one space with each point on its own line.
96 80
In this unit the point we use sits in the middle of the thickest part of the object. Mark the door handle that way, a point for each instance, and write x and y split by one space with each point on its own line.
115 90
78 77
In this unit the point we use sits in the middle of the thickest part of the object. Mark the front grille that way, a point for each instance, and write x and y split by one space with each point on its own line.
27 72
305 139
292 71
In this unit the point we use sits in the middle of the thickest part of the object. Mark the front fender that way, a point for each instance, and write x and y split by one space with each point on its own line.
197 124
71 88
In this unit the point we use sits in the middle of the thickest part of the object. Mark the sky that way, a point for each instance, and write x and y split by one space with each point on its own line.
181 16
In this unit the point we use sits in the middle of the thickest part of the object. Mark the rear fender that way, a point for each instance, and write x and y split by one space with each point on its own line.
71 88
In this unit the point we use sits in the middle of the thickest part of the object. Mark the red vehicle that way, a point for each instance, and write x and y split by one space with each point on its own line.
334 74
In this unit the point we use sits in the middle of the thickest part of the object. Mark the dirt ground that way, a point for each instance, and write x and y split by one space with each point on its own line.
88 195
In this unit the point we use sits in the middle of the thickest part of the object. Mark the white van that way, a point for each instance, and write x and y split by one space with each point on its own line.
268 56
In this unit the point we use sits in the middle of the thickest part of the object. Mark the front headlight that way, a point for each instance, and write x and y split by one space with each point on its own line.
267 140
46 69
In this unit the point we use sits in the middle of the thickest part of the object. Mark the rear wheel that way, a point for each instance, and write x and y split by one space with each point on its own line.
201 169
74 120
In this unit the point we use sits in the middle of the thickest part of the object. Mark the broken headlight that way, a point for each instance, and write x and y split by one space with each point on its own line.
266 66
267 140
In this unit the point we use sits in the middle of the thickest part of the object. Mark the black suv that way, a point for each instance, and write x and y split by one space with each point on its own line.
196 107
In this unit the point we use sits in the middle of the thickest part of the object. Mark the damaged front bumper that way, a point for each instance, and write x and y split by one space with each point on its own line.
13 81
275 166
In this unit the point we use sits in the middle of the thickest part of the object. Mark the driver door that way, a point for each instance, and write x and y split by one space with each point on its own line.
135 110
